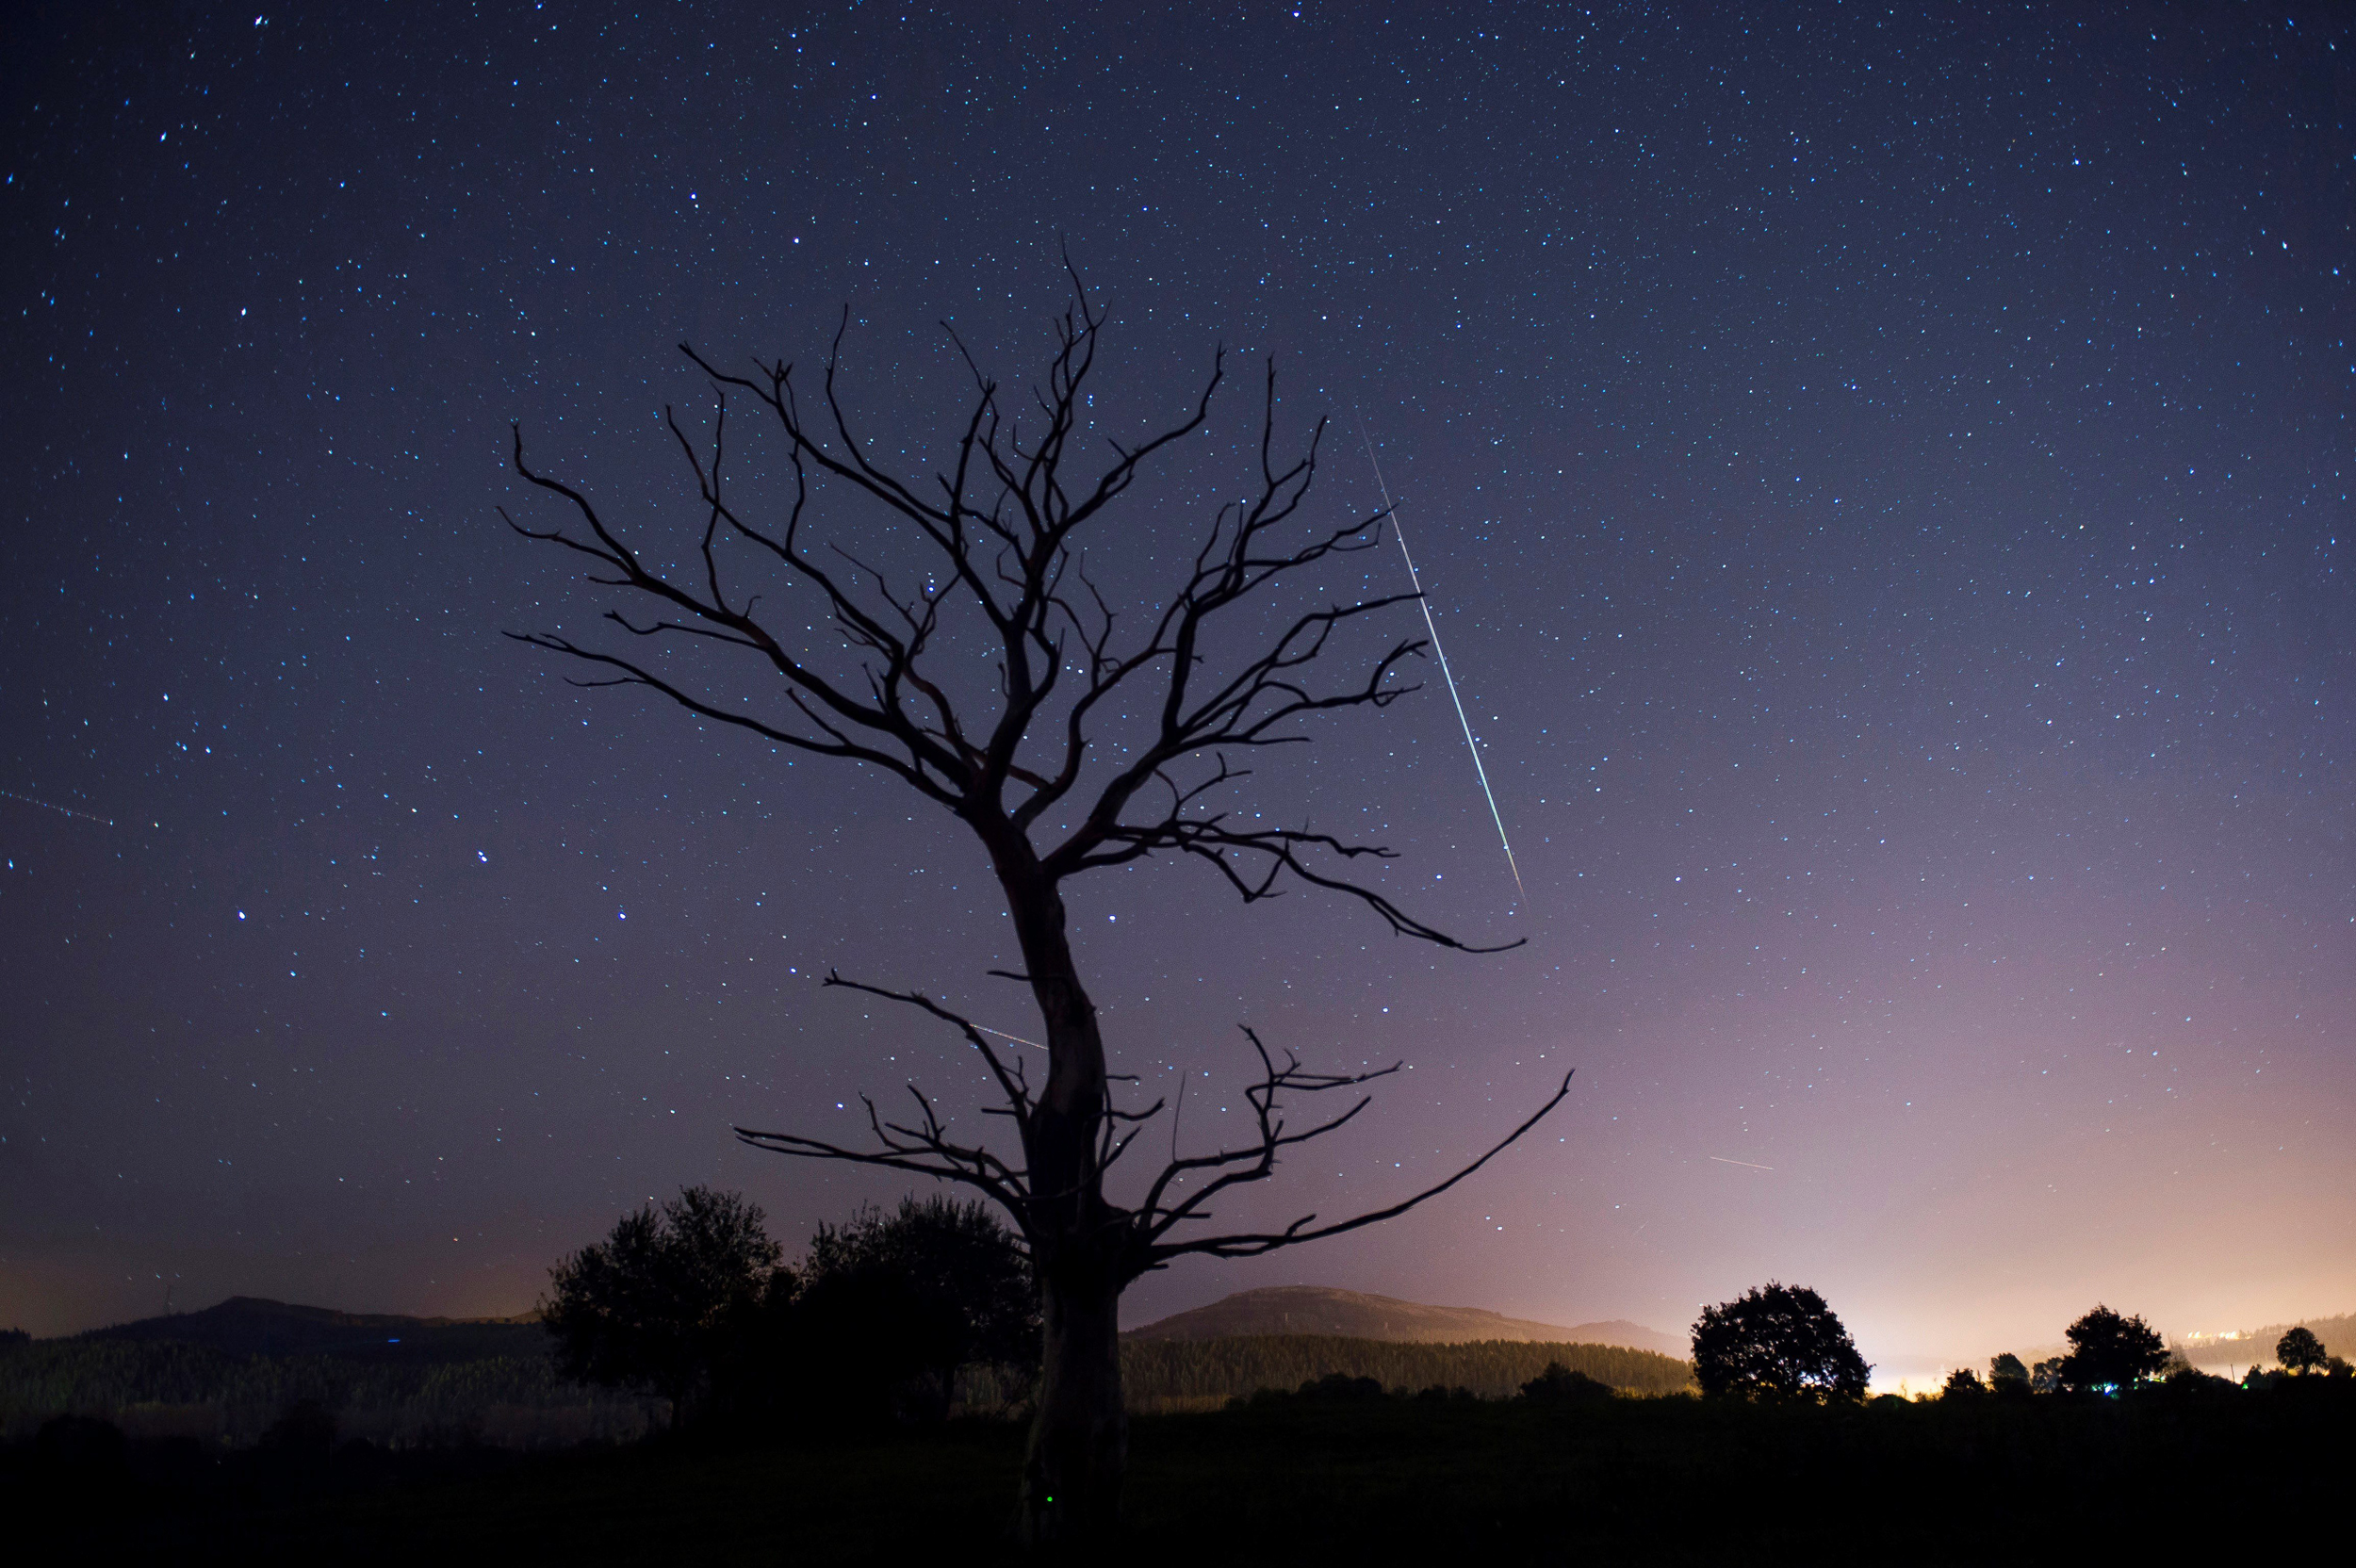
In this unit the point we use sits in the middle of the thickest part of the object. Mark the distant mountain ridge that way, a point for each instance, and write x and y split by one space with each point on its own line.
254 1326
1352 1315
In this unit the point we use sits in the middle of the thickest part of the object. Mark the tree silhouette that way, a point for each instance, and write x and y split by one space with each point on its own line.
1780 1340
2300 1350
2108 1351
1963 1384
968 1273
1559 1385
659 1302
990 574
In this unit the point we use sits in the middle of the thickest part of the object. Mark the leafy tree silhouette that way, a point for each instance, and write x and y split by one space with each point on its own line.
965 1275
1963 1384
657 1304
1780 1340
2300 1350
2007 1373
2110 1352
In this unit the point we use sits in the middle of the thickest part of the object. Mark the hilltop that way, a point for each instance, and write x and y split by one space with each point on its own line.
253 1326
1322 1310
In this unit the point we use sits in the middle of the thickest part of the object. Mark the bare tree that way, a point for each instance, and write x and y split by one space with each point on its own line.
1000 532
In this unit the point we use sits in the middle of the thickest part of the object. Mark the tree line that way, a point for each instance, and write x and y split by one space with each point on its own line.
1784 1341
694 1302
895 1314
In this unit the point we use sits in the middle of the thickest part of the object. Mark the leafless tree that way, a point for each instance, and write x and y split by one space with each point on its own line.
1002 529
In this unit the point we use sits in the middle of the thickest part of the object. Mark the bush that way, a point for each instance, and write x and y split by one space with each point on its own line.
307 1433
80 1446
1558 1385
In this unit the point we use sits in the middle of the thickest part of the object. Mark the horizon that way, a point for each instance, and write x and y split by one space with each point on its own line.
1883 483
1906 1372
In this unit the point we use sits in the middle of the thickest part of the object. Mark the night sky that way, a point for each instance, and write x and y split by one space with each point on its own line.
1882 474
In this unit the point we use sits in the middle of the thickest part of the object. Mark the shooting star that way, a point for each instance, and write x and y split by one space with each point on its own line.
1437 652
1743 1163
67 810
1004 1035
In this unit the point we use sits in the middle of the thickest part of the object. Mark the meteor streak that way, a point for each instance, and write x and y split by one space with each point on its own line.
1437 652
1745 1163
68 810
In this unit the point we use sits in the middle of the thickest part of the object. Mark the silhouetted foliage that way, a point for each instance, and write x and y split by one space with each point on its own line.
13 1339
951 1278
1341 1386
1963 1384
306 1431
2046 1376
2189 1381
662 1302
80 1446
2108 1351
1558 1385
2006 1370
866 1343
2300 1350
1780 1340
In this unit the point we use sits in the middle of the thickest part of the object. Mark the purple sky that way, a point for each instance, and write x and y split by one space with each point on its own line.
1882 476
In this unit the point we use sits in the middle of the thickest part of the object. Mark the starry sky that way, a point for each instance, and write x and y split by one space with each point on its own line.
1881 473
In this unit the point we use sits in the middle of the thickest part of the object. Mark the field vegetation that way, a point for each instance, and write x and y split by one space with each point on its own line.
1340 1471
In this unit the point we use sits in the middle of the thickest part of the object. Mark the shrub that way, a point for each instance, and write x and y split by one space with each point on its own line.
1558 1385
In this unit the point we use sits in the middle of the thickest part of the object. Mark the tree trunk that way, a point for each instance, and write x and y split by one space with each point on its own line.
1079 1443
1079 1446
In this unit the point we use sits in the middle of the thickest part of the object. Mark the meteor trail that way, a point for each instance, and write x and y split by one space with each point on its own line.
1744 1163
1437 652
103 822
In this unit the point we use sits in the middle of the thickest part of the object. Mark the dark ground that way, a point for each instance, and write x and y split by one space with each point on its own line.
2167 1473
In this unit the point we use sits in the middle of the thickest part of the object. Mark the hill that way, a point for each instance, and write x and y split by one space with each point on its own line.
251 1326
1169 1375
2257 1345
1281 1310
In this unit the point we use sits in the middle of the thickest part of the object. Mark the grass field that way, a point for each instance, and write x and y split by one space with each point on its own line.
2167 1473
